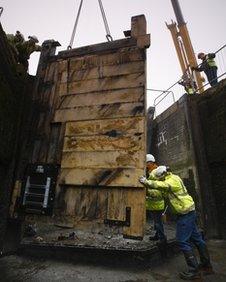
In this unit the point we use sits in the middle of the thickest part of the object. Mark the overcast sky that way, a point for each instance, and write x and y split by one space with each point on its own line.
54 19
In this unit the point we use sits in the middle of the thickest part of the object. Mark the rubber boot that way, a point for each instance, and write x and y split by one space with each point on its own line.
154 238
163 248
205 265
193 272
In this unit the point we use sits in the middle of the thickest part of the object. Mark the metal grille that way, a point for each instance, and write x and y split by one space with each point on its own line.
39 188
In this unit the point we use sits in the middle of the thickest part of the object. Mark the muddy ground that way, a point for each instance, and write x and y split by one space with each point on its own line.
108 238
19 268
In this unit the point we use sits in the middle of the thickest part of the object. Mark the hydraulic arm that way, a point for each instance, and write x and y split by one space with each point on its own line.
183 45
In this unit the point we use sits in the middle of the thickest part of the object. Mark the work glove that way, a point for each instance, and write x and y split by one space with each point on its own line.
143 179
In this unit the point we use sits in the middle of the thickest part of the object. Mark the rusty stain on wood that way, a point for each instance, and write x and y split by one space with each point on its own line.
102 97
116 110
106 159
108 83
126 126
106 143
128 177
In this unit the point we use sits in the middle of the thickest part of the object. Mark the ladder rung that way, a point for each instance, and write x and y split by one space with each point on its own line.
37 185
34 203
34 194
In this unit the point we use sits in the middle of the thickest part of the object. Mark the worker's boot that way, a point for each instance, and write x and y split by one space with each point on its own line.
154 238
193 272
163 248
205 265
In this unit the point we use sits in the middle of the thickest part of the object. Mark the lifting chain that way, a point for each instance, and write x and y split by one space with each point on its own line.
108 34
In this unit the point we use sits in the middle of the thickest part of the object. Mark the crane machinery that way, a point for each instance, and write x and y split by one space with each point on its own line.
184 48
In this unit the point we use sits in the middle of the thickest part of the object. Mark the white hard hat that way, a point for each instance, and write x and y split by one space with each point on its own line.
160 170
35 38
150 158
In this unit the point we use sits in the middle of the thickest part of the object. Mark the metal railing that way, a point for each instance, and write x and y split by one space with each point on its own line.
177 90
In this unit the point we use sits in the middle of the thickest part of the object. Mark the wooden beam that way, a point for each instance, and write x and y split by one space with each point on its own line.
117 110
126 177
108 83
105 143
102 98
125 126
100 159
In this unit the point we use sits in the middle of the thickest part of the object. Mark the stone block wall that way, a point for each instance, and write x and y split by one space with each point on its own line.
190 137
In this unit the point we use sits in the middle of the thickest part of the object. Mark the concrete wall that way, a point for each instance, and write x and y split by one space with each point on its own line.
212 113
172 144
190 138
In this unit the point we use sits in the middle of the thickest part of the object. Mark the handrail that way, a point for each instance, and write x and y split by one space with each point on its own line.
213 79
168 90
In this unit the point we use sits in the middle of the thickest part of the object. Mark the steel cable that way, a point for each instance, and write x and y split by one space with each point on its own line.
108 33
75 26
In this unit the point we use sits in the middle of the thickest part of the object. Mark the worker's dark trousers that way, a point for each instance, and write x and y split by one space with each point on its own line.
187 231
211 74
158 225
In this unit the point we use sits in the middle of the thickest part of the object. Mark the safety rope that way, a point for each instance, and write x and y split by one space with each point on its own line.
75 26
108 33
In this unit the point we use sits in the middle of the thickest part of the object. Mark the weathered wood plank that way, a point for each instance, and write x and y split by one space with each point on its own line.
106 159
125 126
116 110
105 143
102 72
123 56
53 142
136 200
116 205
95 177
50 72
102 201
99 48
108 83
100 98
80 204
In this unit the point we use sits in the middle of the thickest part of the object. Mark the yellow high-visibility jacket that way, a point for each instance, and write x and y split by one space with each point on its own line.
173 186
154 197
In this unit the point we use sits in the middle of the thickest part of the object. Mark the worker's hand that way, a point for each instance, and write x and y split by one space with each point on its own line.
143 179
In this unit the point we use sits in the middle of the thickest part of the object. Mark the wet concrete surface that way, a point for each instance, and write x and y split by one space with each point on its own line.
18 268
107 238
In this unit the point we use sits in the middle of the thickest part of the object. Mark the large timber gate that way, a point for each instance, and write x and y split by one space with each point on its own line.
91 121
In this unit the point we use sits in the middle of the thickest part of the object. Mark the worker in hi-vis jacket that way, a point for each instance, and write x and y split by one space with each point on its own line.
155 203
26 48
183 206
209 67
